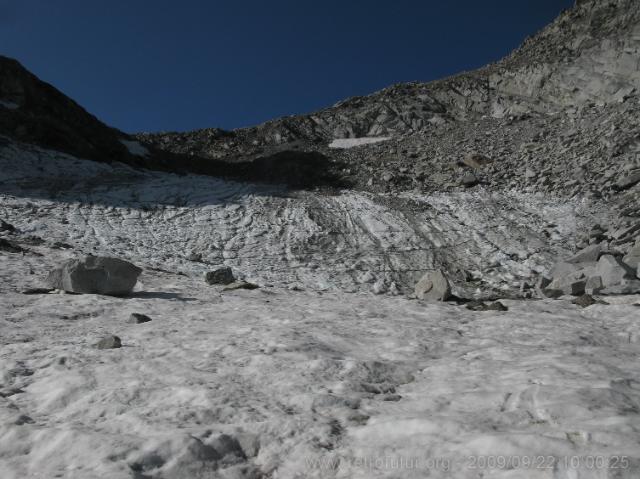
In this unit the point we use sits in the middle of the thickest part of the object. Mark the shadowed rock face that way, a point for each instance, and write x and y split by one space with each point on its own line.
577 74
33 111
298 169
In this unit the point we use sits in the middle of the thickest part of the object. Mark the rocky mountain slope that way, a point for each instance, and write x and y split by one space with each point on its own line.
35 112
559 116
587 57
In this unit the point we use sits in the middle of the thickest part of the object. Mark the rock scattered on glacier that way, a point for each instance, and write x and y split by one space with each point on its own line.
240 285
138 318
95 275
8 227
571 283
613 271
10 246
594 285
632 259
476 160
588 254
109 342
433 286
481 306
586 300
469 179
220 276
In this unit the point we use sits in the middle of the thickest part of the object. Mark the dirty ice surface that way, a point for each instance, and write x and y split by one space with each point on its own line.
282 383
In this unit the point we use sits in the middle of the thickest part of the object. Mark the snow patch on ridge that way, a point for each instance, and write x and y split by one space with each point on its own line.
344 143
135 148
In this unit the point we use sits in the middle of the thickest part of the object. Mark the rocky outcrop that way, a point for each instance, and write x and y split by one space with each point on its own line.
609 275
35 112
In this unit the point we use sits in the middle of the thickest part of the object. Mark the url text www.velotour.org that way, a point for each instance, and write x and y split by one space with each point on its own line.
444 464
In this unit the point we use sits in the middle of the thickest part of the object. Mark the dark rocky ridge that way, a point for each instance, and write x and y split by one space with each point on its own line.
34 112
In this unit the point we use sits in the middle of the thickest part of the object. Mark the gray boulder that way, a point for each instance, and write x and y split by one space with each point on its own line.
240 285
469 179
594 285
563 268
541 285
612 271
590 254
433 286
572 283
626 286
95 275
476 160
220 276
109 342
632 259
481 306
586 300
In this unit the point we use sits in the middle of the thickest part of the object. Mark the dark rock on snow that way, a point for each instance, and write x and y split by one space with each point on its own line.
138 318
37 290
109 342
10 246
481 306
240 285
220 276
6 227
586 300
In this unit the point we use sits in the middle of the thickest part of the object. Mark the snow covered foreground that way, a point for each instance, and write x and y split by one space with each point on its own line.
282 383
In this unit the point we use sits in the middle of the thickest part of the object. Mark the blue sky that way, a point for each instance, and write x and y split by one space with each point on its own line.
180 65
